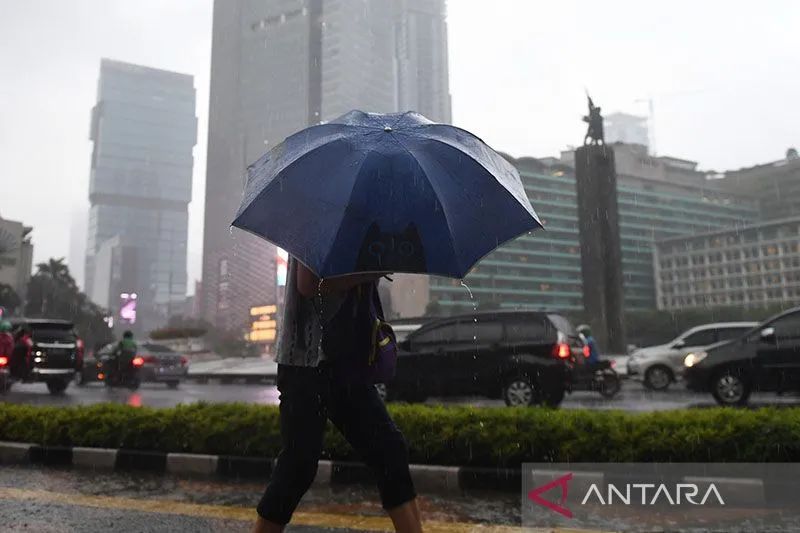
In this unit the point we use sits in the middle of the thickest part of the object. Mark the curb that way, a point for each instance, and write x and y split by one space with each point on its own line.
427 478
432 479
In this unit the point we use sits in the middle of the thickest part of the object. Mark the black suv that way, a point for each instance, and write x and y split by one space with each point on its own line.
519 356
56 354
765 359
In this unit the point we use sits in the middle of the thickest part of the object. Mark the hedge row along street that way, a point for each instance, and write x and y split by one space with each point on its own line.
443 435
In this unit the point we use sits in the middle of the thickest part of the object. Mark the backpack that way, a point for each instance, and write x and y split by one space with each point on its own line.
361 345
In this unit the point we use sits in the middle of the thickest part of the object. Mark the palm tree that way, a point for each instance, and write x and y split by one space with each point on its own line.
57 270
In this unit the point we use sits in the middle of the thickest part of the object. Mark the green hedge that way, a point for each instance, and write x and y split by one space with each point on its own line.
436 435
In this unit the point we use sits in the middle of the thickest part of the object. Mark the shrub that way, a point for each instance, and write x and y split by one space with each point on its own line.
449 435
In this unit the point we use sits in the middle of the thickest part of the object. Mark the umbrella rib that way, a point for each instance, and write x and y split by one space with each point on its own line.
344 211
536 222
532 210
444 212
277 175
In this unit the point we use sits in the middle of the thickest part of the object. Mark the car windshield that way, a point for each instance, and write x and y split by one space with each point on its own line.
158 348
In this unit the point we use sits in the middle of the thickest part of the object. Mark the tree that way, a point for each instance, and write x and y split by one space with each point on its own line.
9 299
53 293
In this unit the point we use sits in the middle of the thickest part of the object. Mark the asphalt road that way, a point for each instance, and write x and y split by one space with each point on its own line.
633 397
46 500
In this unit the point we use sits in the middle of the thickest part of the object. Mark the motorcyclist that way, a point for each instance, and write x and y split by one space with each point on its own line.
6 340
125 351
21 355
588 340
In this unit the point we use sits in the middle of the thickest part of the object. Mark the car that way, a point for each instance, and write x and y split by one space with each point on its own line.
161 364
519 356
767 358
56 354
659 366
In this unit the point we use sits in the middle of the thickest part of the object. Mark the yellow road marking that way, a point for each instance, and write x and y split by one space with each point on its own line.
230 512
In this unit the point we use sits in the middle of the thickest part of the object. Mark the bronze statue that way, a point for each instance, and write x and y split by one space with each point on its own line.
594 135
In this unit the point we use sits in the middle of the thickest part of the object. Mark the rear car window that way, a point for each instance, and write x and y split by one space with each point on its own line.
443 333
563 325
53 332
483 331
525 330
158 348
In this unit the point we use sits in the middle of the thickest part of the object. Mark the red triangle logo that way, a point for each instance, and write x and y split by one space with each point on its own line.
535 495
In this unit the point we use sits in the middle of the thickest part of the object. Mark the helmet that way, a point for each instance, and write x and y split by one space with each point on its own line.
5 326
584 330
127 335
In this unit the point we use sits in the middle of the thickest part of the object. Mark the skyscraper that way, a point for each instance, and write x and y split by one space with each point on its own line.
278 66
144 129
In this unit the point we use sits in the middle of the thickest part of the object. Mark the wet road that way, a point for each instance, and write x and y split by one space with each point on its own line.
633 397
62 500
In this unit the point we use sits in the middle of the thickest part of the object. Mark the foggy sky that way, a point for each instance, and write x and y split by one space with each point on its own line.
724 78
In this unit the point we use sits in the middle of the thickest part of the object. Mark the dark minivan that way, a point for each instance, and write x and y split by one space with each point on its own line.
765 359
56 354
520 356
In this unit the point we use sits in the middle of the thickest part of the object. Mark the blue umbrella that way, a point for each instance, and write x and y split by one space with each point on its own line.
385 192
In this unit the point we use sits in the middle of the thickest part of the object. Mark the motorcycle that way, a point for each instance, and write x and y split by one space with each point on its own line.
113 371
596 377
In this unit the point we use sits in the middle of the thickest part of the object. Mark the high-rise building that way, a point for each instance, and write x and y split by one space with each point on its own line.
776 185
752 266
144 129
278 66
421 48
16 256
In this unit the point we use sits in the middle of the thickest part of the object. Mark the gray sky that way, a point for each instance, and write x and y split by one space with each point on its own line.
724 77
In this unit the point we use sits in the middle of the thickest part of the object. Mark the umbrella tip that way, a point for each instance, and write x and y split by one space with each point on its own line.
387 128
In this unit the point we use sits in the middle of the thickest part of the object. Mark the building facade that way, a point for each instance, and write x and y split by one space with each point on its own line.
144 129
543 270
16 256
278 66
776 185
752 266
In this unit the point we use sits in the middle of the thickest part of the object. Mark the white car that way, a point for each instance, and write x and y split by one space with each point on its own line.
659 366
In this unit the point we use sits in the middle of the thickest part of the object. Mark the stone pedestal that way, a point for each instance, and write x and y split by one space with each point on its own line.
601 255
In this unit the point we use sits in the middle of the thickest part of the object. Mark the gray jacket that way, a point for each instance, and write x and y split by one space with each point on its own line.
300 336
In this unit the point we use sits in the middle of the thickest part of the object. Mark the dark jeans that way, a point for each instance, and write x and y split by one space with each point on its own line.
309 397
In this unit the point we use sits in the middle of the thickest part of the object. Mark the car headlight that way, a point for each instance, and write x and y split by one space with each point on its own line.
693 358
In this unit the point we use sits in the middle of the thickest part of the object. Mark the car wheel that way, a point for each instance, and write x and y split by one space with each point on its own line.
173 384
133 383
730 388
658 377
80 380
5 384
519 392
57 386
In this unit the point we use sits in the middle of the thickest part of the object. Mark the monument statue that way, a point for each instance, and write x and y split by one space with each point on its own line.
594 134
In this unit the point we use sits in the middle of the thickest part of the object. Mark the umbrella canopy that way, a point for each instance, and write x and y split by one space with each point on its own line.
385 192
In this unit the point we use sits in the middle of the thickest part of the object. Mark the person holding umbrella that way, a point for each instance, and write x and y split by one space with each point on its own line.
351 201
